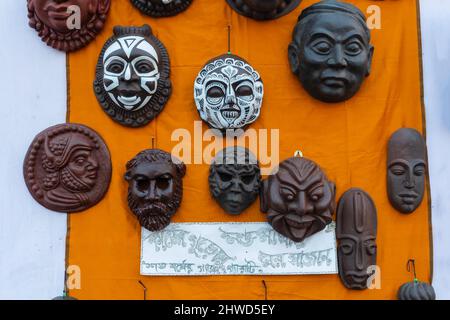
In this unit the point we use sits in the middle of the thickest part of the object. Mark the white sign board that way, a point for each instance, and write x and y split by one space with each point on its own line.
200 249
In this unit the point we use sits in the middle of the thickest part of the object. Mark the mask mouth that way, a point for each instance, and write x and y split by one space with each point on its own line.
357 279
129 101
230 113
408 198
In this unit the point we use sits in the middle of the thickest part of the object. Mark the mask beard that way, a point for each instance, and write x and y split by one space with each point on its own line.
155 215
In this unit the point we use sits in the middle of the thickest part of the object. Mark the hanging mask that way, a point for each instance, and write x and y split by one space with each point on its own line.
228 93
234 179
132 78
67 168
263 9
161 8
356 232
155 188
406 169
330 50
299 200
67 25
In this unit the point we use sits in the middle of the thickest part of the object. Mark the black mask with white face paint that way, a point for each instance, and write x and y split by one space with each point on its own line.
228 93
132 79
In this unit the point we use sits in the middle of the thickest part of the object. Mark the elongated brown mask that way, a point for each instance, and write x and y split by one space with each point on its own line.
406 169
299 200
356 233
68 25
155 187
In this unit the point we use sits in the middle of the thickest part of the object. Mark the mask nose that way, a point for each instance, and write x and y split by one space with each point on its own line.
302 207
152 193
129 74
337 58
93 164
360 257
230 98
235 185
409 180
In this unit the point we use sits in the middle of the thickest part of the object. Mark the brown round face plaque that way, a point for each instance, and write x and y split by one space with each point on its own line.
67 25
67 168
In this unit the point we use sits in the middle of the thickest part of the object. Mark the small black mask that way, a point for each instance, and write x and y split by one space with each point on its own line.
234 179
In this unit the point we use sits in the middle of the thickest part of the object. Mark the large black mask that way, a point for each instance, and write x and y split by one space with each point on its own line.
234 179
263 9
132 79
155 187
331 51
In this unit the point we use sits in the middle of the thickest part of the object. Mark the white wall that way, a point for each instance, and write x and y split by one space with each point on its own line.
32 97
435 16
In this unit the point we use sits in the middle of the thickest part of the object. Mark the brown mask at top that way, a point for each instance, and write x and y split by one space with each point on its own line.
356 232
406 169
299 200
263 9
155 187
161 8
68 25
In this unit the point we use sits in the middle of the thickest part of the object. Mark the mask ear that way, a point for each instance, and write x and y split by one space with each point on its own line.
181 167
263 195
293 57
369 61
127 176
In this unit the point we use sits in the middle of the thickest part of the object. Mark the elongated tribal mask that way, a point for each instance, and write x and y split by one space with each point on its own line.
228 93
132 82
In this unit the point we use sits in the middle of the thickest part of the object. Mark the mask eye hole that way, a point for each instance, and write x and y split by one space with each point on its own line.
244 91
322 47
144 67
397 170
287 194
163 182
116 67
247 179
225 177
419 170
346 248
353 48
371 247
142 184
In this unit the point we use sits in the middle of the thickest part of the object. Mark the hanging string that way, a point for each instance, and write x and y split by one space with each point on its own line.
229 39
153 142
265 290
412 263
145 289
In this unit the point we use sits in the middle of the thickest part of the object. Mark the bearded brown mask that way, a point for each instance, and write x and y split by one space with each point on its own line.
406 169
56 21
356 232
263 9
330 50
161 8
234 179
132 76
155 187
299 200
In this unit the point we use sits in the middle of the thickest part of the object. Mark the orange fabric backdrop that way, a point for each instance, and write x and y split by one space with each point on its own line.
348 140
